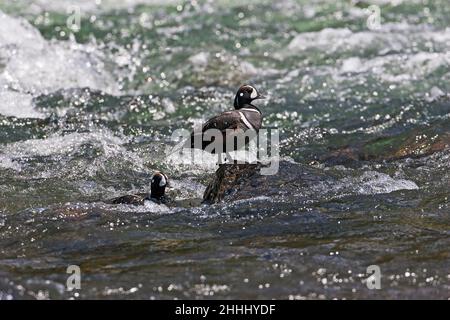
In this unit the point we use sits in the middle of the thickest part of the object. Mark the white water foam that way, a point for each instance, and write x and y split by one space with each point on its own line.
110 146
16 104
402 63
391 37
148 207
31 65
87 6
395 68
397 56
60 144
372 182
7 163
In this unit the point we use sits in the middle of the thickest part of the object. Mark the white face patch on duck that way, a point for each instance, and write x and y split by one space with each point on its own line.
254 93
163 181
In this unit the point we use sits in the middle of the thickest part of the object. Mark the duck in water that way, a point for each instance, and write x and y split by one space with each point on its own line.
157 192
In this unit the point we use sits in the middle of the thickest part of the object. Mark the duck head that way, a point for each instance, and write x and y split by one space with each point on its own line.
158 185
245 95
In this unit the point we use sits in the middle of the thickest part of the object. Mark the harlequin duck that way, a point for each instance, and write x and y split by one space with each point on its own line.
246 116
157 192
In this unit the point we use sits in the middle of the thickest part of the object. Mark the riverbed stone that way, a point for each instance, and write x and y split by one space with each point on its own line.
414 144
243 181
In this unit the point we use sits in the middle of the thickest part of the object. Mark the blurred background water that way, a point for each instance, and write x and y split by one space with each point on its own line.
87 110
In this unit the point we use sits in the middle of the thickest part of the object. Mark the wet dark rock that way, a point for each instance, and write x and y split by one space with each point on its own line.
343 156
423 145
243 181
414 144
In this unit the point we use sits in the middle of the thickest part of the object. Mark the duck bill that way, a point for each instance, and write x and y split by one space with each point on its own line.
260 96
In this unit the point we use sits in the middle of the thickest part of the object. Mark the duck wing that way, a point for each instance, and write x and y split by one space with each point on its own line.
224 121
134 199
230 120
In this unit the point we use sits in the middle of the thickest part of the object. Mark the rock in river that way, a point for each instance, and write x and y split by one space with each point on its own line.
244 181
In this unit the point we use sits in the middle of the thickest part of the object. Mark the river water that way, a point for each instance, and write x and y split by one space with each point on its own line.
86 114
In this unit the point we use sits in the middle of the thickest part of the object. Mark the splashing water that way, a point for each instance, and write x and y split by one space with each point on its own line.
86 116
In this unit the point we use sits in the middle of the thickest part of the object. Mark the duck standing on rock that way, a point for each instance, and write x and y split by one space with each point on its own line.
246 116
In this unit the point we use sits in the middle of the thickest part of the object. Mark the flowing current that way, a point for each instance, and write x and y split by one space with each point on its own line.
91 92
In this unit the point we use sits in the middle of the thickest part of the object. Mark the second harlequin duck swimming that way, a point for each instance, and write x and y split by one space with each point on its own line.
246 116
157 192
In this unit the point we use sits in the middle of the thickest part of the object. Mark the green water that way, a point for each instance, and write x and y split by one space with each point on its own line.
86 116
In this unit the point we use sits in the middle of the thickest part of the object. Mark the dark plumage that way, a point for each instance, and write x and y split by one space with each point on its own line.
245 117
157 192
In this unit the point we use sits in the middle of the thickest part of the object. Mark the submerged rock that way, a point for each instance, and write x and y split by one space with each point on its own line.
243 181
413 144
296 182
